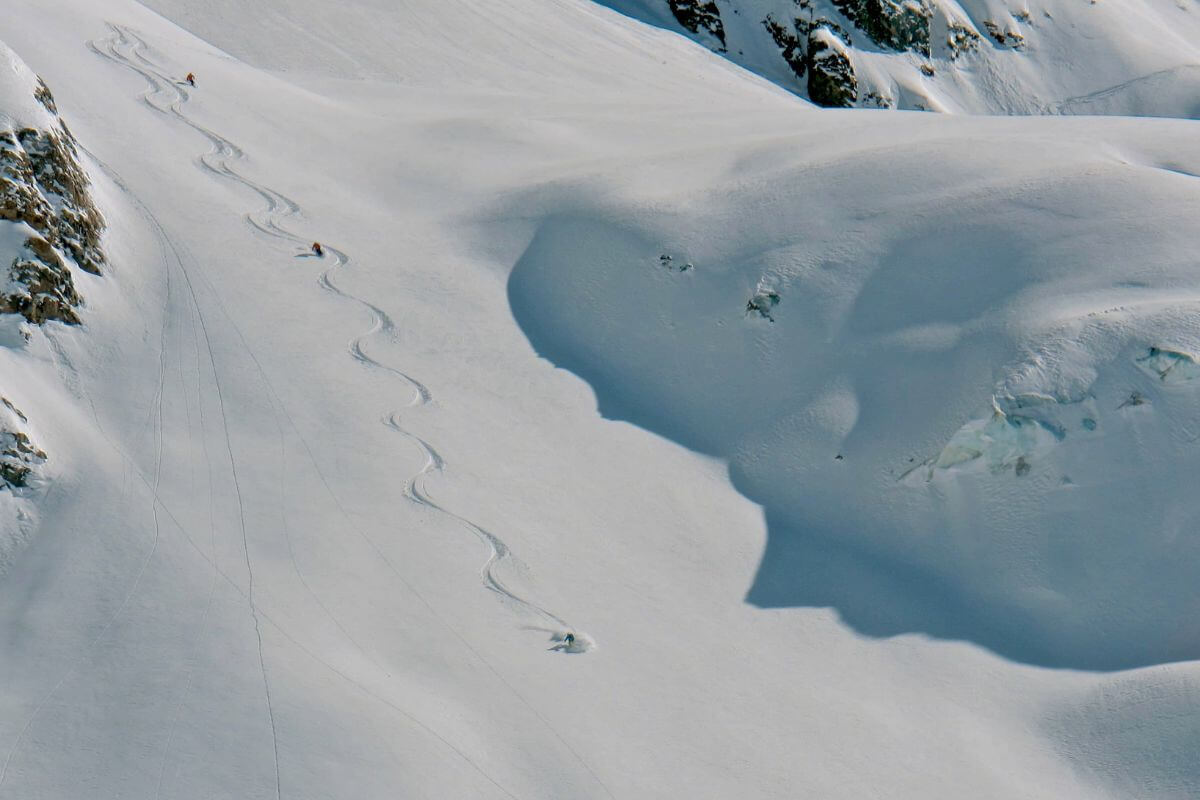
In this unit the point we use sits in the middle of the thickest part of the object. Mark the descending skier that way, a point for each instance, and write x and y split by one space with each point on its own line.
566 644
191 79
318 250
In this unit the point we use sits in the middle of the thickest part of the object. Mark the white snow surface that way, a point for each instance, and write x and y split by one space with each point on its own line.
312 527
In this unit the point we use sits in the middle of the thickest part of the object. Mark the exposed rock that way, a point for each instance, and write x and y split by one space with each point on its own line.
792 47
41 289
831 80
818 48
961 39
19 457
44 188
699 15
43 96
897 26
1009 38
56 166
874 99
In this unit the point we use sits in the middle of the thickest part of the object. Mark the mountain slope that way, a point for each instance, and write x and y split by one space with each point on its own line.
294 496
975 56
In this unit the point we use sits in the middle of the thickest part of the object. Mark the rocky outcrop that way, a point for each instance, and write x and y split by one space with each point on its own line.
699 16
831 80
961 39
43 96
46 193
1004 38
896 26
19 457
761 304
817 49
792 46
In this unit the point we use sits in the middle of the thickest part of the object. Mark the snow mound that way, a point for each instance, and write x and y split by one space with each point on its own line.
934 408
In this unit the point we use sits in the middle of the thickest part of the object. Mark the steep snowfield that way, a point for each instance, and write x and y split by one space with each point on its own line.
905 509
1135 57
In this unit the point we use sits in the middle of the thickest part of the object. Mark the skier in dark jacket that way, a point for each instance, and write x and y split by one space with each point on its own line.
318 251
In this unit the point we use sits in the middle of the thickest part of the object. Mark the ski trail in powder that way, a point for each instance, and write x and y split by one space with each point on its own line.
165 96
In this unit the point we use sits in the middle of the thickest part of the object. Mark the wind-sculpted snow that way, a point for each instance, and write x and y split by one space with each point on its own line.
936 412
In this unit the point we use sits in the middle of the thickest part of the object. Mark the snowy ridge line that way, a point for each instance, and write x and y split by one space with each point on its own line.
267 221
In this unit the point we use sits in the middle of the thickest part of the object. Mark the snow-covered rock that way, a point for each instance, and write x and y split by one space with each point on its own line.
966 56
944 392
49 223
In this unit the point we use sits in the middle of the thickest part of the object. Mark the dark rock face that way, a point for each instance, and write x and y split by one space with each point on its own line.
896 26
792 47
43 185
19 457
831 80
808 46
699 15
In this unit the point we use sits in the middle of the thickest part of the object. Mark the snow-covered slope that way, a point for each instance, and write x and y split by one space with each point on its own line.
50 230
887 496
933 392
1137 57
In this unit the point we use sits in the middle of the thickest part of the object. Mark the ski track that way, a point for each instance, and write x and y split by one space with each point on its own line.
266 221
154 421
210 558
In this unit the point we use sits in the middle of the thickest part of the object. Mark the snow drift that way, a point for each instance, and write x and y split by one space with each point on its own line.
936 413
